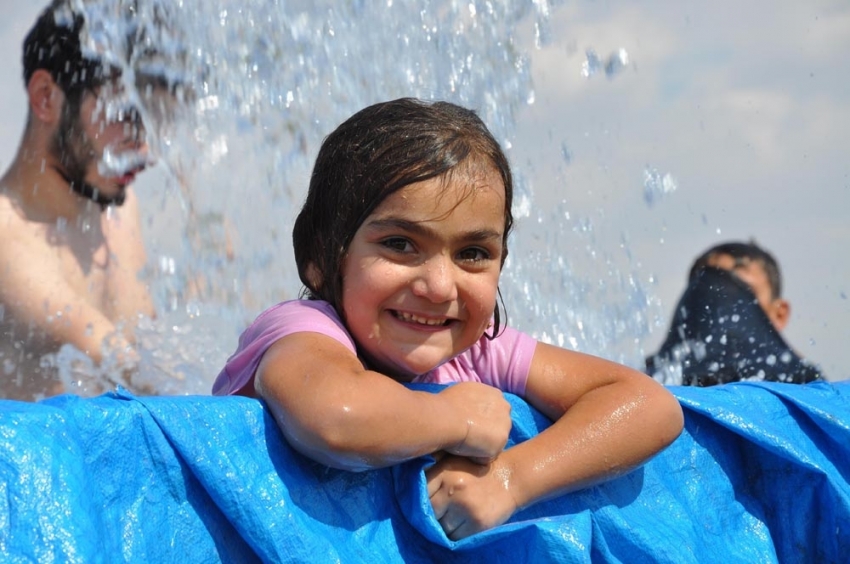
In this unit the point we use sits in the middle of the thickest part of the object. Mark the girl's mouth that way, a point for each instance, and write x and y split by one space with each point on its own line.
418 320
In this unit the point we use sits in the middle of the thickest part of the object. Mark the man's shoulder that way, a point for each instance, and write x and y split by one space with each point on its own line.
19 233
7 203
12 216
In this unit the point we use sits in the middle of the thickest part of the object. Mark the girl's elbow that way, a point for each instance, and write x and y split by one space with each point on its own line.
334 440
332 432
671 419
325 452
330 446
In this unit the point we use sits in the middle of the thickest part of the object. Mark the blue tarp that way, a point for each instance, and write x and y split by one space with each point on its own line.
760 474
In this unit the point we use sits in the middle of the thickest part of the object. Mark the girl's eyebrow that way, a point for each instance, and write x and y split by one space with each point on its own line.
418 228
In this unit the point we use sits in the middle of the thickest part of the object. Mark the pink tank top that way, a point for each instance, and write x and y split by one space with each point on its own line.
503 362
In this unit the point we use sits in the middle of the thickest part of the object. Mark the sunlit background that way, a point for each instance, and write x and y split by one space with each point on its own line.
641 134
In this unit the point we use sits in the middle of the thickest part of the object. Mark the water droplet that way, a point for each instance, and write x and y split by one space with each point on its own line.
566 154
61 224
613 65
591 64
616 62
656 185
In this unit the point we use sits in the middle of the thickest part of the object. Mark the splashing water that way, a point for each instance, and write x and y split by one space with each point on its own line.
115 163
613 65
236 96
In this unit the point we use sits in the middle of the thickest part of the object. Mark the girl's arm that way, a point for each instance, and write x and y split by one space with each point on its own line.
608 419
333 410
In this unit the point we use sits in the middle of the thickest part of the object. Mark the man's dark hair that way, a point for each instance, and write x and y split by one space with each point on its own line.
53 44
376 152
738 251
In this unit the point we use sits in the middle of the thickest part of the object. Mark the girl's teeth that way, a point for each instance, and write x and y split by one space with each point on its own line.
421 320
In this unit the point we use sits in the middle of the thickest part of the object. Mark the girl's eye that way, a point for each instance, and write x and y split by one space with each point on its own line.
398 244
473 254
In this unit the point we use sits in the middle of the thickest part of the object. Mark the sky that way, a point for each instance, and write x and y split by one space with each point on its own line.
744 105
741 107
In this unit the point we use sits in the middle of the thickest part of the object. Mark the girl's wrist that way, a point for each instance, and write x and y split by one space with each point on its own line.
510 474
451 429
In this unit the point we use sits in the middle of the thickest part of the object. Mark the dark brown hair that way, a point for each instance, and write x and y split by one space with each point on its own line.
53 44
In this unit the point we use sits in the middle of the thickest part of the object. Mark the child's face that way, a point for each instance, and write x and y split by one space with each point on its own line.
754 275
751 272
421 275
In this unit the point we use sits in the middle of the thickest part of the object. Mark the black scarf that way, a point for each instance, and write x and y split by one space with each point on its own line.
720 333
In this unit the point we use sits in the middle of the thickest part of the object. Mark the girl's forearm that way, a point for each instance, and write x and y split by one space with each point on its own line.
600 437
373 424
334 411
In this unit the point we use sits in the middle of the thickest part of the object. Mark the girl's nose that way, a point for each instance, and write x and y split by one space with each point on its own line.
435 280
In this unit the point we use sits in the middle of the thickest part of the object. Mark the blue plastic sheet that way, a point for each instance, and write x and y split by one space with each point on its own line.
760 474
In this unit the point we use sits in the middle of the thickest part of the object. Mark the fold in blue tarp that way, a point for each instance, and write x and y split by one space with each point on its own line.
760 474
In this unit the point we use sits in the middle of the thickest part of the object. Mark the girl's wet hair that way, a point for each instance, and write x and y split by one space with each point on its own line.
376 152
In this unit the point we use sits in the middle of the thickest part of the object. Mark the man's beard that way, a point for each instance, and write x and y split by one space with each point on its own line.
74 151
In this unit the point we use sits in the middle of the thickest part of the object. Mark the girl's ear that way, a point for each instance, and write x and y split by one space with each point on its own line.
45 97
314 276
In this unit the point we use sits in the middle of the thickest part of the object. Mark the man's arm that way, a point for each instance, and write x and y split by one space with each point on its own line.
35 293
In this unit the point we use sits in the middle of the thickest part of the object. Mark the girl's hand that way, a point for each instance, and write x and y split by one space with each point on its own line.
487 415
468 498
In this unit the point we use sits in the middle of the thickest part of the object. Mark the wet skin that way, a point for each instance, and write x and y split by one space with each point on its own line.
70 269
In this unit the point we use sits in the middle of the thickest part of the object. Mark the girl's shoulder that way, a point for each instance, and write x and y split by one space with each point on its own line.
297 308
295 316
275 323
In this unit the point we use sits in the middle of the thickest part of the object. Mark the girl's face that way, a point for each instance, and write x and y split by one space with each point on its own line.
421 275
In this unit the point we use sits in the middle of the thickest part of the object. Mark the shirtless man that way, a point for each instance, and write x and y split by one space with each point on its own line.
70 242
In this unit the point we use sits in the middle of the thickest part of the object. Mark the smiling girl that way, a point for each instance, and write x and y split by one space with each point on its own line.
400 245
